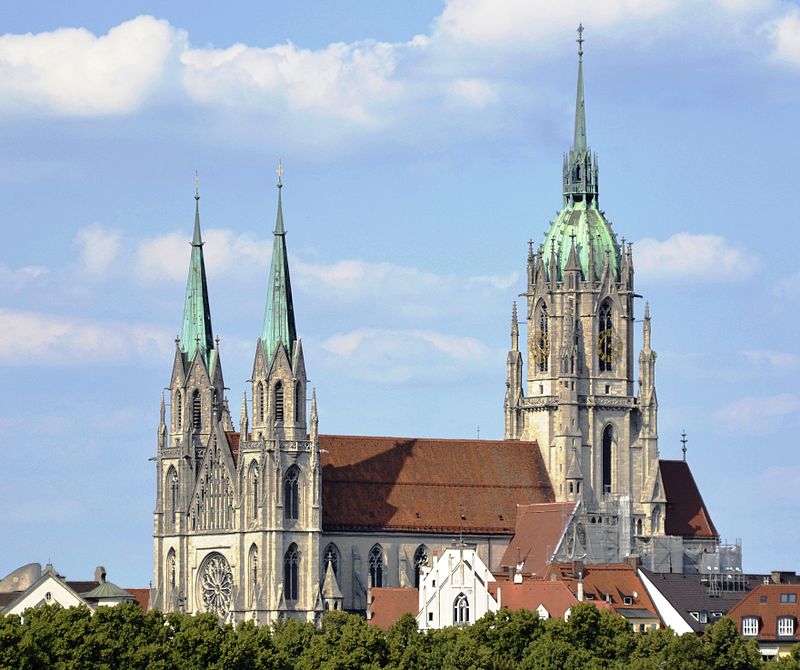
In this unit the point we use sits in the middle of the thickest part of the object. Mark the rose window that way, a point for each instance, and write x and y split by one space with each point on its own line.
216 583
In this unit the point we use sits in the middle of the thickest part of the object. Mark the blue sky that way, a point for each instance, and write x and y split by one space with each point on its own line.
422 147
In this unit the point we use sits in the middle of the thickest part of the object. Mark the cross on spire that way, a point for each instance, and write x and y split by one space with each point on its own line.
580 41
280 173
196 186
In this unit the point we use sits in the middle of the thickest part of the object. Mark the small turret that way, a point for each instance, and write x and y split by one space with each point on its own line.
243 420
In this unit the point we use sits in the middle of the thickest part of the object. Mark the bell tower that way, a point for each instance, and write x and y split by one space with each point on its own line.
596 435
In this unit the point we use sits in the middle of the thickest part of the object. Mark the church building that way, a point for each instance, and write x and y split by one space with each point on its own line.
276 520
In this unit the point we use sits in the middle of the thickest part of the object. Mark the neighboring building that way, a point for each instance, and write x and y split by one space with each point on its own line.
618 586
549 599
30 586
770 614
455 590
688 603
275 520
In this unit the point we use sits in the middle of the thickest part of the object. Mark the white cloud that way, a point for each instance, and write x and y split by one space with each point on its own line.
486 22
778 360
99 248
71 71
785 35
399 356
689 256
34 338
789 287
19 278
757 414
342 80
167 256
411 292
477 92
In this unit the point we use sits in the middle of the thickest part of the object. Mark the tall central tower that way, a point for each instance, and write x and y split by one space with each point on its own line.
596 431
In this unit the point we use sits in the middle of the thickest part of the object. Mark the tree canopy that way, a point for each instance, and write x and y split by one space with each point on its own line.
123 637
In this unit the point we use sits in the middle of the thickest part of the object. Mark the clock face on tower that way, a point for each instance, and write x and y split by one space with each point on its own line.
540 347
609 346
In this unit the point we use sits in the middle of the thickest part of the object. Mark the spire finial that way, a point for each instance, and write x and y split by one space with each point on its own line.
196 186
280 173
683 442
580 42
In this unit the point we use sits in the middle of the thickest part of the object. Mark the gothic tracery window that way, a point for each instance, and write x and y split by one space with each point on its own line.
608 438
279 401
460 610
178 410
420 561
297 403
291 562
376 566
331 555
541 338
253 574
291 494
605 339
172 482
216 585
253 490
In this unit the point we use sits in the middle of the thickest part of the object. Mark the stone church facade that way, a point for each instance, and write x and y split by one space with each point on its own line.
276 520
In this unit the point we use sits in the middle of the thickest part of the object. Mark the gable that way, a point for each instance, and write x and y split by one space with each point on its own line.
687 515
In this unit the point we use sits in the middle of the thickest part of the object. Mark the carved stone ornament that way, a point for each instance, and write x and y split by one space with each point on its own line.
215 585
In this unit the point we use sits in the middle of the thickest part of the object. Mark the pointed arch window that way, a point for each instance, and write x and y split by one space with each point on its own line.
260 402
608 440
291 582
178 410
291 494
254 491
279 401
420 561
197 413
172 484
376 566
253 563
656 521
461 610
605 337
298 403
541 341
331 555
171 569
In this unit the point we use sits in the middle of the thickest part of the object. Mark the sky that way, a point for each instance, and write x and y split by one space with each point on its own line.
421 144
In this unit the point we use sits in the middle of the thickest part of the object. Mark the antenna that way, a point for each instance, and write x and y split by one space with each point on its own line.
683 442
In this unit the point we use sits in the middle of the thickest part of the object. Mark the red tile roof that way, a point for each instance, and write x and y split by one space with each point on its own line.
608 582
536 537
769 611
397 484
233 443
142 597
686 512
554 596
388 605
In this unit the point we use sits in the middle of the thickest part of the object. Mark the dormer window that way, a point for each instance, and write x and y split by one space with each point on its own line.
785 626
750 625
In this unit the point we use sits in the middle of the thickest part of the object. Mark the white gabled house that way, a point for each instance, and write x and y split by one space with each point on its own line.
455 590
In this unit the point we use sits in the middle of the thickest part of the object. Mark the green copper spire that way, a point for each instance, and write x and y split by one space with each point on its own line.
196 331
279 327
579 142
580 235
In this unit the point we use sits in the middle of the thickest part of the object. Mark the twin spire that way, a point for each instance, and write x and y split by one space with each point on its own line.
279 325
196 333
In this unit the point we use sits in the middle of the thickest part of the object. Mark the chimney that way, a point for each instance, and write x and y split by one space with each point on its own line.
100 574
633 561
580 587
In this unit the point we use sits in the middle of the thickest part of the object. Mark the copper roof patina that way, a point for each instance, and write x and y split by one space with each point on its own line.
279 326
